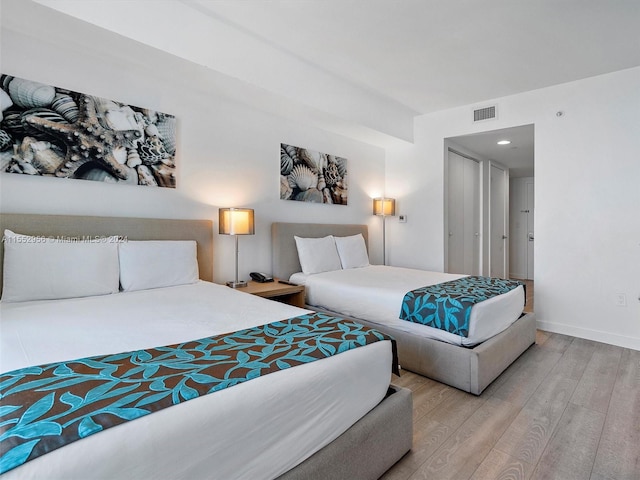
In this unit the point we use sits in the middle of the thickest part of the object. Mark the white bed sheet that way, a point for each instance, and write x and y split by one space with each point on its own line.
258 429
375 293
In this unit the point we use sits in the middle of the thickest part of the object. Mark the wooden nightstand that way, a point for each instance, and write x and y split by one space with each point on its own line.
281 292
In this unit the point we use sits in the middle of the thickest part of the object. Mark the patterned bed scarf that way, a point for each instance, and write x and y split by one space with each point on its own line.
447 305
43 408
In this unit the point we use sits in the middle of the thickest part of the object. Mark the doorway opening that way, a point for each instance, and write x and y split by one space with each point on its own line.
504 232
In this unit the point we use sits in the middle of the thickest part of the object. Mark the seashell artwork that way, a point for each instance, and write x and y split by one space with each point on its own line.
312 195
28 94
302 178
164 175
20 166
314 160
12 123
327 196
311 176
145 177
133 159
286 162
291 151
47 160
120 154
5 140
166 126
61 133
285 188
40 155
152 130
98 175
43 114
331 174
65 106
5 102
341 164
152 151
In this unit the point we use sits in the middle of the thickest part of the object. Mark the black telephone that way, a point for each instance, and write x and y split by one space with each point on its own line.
261 277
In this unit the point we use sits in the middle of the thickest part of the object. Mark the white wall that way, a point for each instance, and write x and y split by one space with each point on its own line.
228 152
587 196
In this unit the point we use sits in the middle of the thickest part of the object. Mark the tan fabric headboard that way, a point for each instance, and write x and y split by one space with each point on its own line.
284 254
133 228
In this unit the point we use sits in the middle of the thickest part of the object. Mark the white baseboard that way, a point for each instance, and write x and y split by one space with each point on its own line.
595 335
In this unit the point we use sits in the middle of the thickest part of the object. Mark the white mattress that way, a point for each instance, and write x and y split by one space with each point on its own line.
375 293
254 430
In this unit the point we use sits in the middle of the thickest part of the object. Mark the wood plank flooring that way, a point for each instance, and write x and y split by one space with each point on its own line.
568 408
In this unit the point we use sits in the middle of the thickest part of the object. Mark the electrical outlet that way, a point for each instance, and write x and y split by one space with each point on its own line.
402 218
620 300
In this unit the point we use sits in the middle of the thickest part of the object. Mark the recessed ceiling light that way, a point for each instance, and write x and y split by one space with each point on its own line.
504 142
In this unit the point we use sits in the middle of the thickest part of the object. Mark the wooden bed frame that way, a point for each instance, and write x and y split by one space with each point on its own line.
469 369
365 451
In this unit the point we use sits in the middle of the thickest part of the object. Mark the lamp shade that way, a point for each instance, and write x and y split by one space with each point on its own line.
384 206
236 221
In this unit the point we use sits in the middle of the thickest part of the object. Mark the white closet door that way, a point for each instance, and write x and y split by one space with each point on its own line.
471 217
498 222
463 215
456 214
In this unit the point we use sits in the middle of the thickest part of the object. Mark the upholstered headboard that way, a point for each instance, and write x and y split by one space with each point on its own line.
284 255
133 228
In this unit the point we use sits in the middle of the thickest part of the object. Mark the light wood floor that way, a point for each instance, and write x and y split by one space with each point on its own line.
568 408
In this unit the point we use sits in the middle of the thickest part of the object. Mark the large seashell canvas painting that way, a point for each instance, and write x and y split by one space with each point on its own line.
311 176
54 132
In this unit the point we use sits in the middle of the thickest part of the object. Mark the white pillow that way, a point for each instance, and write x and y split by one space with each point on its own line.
40 268
317 255
352 251
157 263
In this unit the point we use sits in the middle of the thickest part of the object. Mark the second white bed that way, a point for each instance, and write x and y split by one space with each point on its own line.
375 293
255 430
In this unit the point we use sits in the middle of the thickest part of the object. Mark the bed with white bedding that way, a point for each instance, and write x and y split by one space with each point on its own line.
498 333
281 425
375 292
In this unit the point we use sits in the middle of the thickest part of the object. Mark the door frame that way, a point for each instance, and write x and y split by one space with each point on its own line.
532 210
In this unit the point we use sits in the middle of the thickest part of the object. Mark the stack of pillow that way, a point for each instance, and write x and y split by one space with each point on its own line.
41 268
330 253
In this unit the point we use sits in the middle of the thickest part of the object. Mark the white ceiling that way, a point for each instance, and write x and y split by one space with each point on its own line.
518 156
435 54
431 55
365 68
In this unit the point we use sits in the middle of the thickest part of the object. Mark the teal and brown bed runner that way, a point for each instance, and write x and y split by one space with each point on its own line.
447 305
46 407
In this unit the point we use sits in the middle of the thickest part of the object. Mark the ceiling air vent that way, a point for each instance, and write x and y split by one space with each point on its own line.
485 113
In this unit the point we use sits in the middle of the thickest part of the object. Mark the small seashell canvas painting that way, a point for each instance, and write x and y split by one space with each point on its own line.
310 176
54 132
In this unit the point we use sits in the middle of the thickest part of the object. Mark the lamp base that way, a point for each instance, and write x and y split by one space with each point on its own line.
238 284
